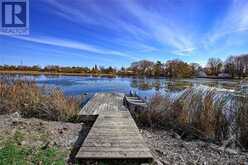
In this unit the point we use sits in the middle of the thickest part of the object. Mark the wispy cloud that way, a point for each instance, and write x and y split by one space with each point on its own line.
166 32
146 24
136 46
235 21
72 45
95 15
185 52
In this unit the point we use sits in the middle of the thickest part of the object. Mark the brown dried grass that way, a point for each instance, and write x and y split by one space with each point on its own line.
25 97
194 113
241 128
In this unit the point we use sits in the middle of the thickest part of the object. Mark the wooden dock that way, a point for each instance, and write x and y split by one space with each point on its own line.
114 134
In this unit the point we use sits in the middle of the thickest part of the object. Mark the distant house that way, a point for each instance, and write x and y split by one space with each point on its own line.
224 75
130 72
201 74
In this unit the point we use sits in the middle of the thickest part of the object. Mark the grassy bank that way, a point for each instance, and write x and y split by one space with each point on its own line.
25 97
35 141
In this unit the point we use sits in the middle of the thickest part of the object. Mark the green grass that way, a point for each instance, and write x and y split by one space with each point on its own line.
13 153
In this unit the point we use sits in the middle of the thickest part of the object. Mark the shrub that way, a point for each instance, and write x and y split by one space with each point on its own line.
158 113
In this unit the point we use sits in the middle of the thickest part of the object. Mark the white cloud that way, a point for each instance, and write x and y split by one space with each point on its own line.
164 31
235 21
95 15
185 52
72 45
146 25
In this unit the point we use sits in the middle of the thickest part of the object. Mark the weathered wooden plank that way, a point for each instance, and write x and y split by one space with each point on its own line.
113 140
114 137
114 134
132 97
109 126
110 149
114 144
135 100
117 130
115 155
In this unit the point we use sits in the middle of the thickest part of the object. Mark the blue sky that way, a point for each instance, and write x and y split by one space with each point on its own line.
118 32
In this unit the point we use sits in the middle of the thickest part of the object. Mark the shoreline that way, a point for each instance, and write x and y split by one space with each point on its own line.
109 75
55 73
60 137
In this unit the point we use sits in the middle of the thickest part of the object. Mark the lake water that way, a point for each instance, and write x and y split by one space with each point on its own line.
146 87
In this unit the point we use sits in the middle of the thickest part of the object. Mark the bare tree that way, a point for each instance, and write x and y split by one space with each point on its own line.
195 68
214 65
142 67
230 66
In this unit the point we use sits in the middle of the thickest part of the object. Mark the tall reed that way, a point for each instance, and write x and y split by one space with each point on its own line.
203 111
241 126
25 97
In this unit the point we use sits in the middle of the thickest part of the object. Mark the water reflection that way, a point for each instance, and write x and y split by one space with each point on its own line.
74 85
174 86
141 84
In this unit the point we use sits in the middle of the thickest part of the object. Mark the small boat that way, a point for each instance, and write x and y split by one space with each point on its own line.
134 102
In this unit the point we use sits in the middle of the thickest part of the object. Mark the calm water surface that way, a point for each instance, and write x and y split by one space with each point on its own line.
146 87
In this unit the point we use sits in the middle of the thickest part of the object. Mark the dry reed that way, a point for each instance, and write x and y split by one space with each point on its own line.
25 97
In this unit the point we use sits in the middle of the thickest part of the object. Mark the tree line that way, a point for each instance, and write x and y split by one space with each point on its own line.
233 66
60 69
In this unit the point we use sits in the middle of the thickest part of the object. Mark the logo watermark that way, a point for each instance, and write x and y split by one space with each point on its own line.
14 19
